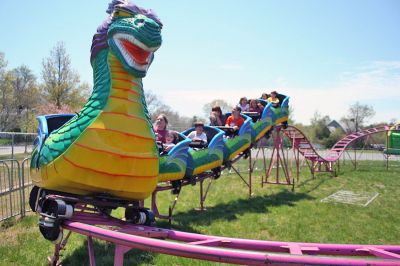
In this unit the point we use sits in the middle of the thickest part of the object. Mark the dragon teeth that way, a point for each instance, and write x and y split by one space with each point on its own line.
126 55
135 41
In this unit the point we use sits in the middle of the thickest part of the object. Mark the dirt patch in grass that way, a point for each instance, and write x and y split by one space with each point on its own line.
11 234
11 230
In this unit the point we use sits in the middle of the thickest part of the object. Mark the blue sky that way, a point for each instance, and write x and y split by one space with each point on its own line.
325 55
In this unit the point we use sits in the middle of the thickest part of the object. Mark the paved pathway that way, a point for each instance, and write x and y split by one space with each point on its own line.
6 150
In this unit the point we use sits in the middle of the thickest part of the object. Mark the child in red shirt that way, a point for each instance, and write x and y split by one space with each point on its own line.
235 120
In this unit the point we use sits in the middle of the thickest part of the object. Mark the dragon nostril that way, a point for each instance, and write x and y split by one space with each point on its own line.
139 22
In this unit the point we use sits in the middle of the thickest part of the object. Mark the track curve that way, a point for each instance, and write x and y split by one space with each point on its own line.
302 143
228 250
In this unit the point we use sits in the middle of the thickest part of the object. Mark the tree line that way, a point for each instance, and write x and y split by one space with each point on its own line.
23 96
58 90
325 131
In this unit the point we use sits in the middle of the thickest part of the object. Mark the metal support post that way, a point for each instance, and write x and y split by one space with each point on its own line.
120 251
278 159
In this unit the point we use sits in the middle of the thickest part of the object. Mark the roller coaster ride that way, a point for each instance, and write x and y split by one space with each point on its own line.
105 157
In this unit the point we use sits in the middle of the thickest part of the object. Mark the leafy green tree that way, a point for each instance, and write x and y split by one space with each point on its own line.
319 127
334 137
19 96
26 97
6 95
61 84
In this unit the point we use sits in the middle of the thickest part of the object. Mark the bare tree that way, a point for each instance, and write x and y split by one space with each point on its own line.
3 64
175 120
61 84
393 121
226 107
357 115
153 103
156 107
291 115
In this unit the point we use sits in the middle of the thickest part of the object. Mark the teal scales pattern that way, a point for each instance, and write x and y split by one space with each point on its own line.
62 138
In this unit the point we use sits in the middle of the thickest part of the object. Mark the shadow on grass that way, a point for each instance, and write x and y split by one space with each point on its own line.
104 255
229 211
316 182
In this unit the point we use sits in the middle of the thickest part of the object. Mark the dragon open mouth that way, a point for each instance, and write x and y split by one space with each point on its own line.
135 53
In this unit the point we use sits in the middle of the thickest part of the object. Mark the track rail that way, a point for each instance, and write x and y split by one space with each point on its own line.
301 142
224 249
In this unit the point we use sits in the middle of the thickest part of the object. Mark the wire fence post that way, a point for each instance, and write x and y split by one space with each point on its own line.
14 181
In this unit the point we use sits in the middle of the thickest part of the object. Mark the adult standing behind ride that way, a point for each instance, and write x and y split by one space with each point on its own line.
197 133
160 128
216 117
274 99
243 104
235 120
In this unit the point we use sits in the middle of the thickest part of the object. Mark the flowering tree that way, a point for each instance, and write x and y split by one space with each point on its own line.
51 108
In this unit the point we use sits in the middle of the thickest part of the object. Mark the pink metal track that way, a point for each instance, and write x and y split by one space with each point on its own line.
305 147
224 249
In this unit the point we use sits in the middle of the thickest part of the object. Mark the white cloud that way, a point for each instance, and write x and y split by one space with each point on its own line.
281 82
374 84
231 66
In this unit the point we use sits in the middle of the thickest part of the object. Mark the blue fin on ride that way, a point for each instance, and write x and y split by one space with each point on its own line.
47 124
217 143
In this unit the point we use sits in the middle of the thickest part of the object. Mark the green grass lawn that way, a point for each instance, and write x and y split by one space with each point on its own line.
273 213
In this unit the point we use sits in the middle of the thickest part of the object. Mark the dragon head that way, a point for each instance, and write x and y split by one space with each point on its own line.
133 34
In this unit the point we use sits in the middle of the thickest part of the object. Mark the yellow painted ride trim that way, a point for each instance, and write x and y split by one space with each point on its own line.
116 142
263 132
281 120
114 164
207 167
114 122
128 86
63 176
233 155
171 176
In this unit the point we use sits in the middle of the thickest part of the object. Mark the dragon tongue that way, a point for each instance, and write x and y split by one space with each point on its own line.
136 52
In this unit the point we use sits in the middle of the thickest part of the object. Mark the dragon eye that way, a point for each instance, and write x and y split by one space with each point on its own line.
121 14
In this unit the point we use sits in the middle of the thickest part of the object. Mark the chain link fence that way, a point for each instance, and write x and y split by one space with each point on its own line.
15 181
